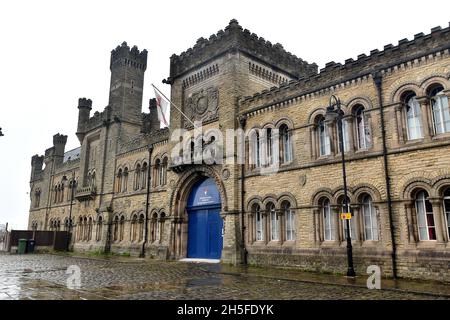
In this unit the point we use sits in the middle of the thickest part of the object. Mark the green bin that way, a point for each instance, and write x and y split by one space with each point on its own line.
22 247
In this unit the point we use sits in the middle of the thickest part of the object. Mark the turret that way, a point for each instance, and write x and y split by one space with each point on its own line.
59 144
154 121
36 166
84 110
127 82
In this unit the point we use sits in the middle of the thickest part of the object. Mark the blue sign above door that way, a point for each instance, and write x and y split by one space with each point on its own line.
204 193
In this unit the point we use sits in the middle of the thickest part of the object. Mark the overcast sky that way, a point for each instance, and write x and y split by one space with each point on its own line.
53 52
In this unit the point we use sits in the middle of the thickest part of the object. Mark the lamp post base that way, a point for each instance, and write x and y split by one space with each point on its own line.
351 273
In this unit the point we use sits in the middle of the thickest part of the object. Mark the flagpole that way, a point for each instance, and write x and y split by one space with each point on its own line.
173 105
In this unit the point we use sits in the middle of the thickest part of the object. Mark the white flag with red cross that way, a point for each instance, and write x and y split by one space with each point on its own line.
161 106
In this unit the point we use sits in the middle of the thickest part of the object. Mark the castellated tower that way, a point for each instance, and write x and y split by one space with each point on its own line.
127 82
59 144
37 163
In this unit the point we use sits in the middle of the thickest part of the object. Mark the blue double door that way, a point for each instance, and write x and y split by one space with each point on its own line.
205 239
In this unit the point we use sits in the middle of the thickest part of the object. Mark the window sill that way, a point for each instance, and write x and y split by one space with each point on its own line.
330 243
415 141
425 244
440 136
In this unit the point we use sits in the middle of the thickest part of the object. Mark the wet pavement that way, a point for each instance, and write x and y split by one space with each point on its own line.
43 276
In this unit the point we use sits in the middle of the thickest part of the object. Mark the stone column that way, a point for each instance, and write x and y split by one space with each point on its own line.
312 132
317 225
333 136
338 232
413 235
266 229
358 223
281 226
400 123
426 117
351 137
249 228
438 214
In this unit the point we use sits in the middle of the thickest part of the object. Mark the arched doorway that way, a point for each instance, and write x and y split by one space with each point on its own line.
205 238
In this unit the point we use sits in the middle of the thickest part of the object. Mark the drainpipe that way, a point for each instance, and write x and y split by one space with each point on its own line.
242 122
147 201
377 78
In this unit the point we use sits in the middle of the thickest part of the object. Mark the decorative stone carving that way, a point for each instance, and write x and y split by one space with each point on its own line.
225 174
202 106
302 180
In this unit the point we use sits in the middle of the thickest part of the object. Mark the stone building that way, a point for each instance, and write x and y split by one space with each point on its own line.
127 191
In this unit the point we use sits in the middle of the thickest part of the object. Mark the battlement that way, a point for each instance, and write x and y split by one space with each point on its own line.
85 103
98 119
237 38
59 139
37 160
334 73
124 56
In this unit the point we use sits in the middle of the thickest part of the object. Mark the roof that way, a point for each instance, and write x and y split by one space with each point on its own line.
72 155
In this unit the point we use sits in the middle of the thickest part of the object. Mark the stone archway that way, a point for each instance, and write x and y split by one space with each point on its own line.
178 202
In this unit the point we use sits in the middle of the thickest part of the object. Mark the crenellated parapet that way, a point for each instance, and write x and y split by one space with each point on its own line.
334 74
144 139
37 163
124 56
234 37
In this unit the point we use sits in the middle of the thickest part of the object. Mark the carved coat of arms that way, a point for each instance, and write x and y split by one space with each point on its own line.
202 105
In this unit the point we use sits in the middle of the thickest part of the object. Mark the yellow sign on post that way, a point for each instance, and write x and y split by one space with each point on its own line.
346 216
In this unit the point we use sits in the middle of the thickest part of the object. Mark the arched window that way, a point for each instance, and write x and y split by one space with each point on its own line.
156 175
121 228
329 221
144 175
362 128
268 143
289 218
99 228
116 229
369 219
80 229
274 223
37 198
62 193
125 180
163 177
93 180
259 225
90 224
141 227
162 217
119 181
352 220
441 113
85 229
285 144
255 149
133 228
323 137
447 209
345 135
137 177
413 117
154 227
425 218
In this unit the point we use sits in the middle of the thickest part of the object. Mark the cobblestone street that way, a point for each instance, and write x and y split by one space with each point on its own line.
43 276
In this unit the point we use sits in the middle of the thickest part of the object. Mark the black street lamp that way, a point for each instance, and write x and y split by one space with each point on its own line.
334 112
